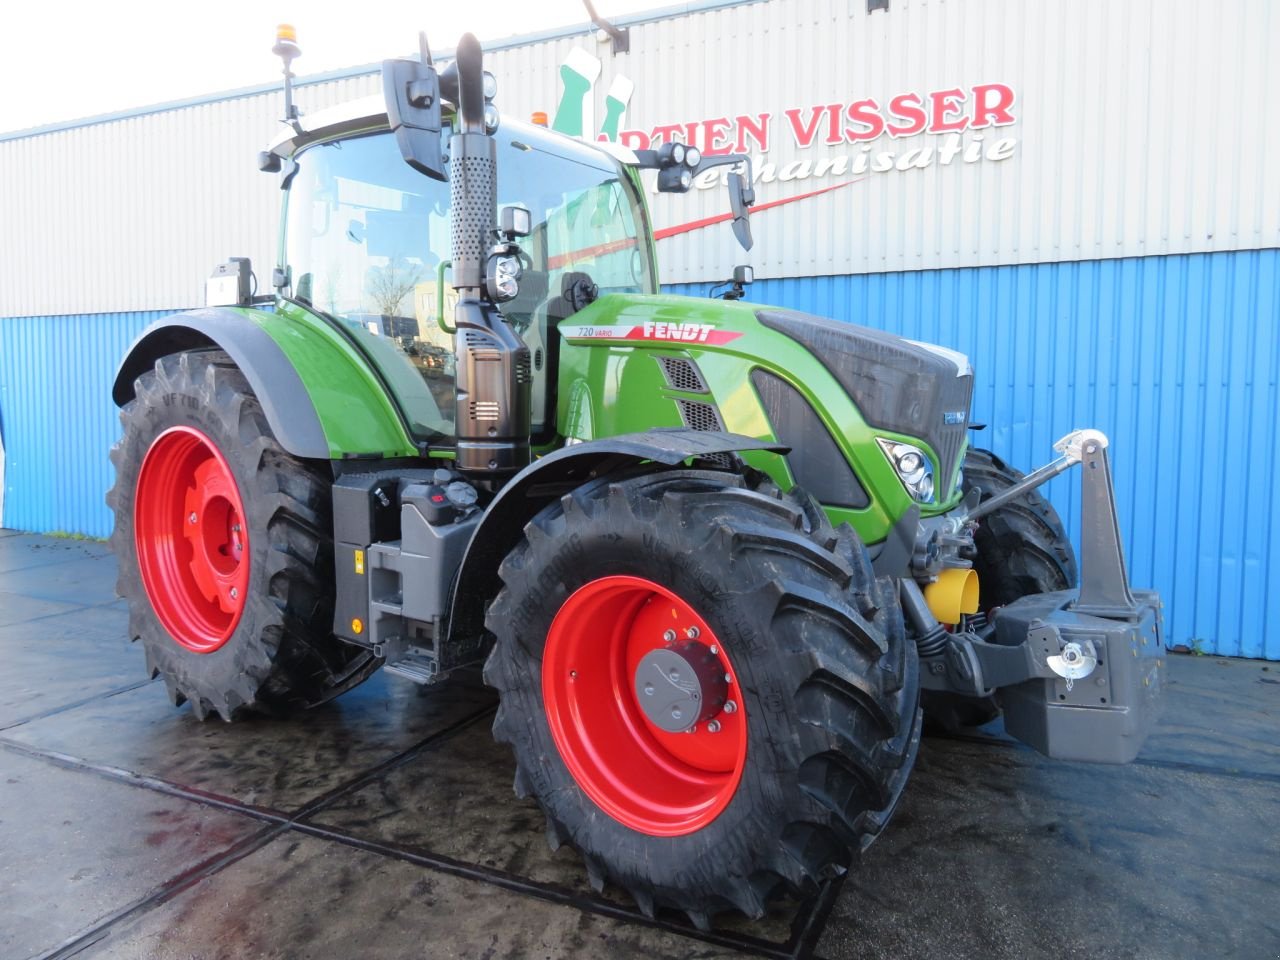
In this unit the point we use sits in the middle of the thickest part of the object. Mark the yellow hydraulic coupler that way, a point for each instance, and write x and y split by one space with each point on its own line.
953 593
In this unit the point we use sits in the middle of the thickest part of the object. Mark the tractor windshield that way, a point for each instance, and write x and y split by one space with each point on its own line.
368 242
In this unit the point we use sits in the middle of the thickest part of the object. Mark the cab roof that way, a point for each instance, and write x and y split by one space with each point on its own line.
368 114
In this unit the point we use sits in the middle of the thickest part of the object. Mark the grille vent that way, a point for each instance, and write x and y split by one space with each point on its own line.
524 372
480 346
484 410
699 416
682 375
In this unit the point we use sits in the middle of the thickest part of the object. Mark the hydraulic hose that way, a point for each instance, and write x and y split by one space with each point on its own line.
931 637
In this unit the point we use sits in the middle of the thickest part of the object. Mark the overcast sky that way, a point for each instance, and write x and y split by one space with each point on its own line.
67 59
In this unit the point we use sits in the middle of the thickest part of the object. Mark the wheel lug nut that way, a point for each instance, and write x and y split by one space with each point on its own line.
693 633
730 707
192 518
648 689
669 636
715 649
676 714
234 593
713 726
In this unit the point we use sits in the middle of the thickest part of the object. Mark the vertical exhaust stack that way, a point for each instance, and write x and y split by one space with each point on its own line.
494 376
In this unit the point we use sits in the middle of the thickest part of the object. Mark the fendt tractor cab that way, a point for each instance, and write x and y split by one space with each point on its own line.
720 561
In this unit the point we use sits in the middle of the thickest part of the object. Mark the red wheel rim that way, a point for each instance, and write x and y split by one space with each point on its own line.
655 782
193 549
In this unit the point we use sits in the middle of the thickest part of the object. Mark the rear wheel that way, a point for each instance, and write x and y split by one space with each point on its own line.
1022 548
704 686
224 546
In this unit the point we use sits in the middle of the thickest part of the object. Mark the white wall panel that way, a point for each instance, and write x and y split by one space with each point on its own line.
1141 127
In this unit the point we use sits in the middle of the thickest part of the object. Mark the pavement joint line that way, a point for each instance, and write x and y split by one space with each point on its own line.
166 891
84 701
1179 765
142 781
362 780
807 936
76 609
531 888
1259 776
279 823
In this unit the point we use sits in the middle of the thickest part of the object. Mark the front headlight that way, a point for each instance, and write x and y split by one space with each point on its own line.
913 467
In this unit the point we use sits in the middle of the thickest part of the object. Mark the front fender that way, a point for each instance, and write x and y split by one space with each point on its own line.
318 394
552 476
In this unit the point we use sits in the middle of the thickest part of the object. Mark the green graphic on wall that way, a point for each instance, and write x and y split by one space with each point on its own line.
575 115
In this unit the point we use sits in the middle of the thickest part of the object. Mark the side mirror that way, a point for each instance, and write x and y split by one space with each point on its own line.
411 89
741 196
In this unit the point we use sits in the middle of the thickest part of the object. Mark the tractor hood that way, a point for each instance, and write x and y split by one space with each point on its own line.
898 386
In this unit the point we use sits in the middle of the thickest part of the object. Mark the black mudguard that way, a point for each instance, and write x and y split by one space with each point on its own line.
552 476
275 382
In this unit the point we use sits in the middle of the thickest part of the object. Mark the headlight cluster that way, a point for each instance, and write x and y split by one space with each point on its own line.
677 165
913 466
504 277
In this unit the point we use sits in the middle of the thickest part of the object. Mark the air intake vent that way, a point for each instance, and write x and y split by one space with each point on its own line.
682 375
699 416
484 410
524 373
481 347
816 462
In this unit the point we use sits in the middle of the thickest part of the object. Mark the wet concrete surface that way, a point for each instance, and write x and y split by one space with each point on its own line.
384 825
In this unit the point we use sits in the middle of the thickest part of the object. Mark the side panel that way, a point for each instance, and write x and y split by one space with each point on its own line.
320 397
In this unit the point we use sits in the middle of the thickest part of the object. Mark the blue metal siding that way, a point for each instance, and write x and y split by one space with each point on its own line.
1176 358
57 418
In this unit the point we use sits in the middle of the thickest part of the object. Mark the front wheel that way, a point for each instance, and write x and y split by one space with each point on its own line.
704 686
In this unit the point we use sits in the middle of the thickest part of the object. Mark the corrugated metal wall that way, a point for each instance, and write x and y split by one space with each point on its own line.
57 417
1176 358
133 214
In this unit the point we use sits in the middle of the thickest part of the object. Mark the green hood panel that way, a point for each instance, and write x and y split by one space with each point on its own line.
612 381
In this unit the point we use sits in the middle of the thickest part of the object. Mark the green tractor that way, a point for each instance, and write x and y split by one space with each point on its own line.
720 561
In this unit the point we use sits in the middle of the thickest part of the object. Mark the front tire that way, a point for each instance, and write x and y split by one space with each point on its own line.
802 774
224 544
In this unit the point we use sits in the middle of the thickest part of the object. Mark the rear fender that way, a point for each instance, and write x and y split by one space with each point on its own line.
319 396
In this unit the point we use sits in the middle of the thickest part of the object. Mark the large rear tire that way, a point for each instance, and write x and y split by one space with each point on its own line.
224 545
790 784
1022 549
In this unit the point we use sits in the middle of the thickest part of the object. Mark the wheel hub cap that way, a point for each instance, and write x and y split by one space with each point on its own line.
191 540
613 640
680 686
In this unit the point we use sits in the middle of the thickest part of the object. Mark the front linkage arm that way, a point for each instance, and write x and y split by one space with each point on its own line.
1043 647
